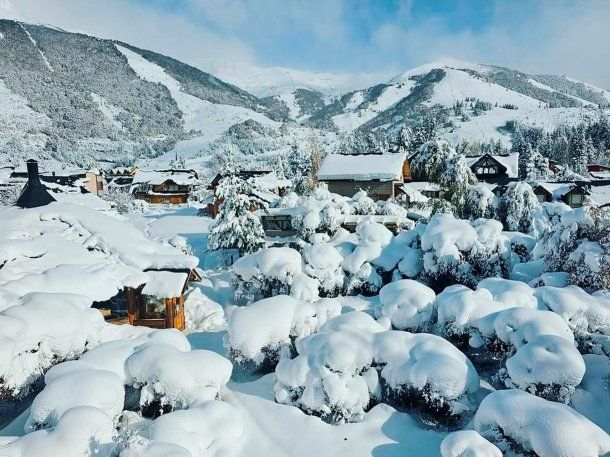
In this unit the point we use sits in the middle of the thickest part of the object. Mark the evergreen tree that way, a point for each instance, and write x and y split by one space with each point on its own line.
235 226
516 206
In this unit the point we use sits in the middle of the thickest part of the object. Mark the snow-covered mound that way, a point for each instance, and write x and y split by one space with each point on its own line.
212 428
176 379
339 373
511 418
468 443
264 332
547 366
96 388
80 431
408 304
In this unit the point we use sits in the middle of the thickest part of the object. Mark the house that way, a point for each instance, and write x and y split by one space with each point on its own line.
277 222
164 186
380 175
267 186
495 169
421 191
120 176
572 194
88 180
159 303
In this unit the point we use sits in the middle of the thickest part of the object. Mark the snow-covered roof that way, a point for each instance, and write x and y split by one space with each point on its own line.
510 162
165 284
156 177
557 189
600 195
362 167
270 181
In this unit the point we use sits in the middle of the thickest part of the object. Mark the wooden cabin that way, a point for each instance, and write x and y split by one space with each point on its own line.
172 187
160 302
380 175
572 194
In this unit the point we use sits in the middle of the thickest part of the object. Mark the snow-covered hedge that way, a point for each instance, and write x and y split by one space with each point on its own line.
266 273
359 265
547 366
323 263
264 332
588 315
97 388
344 369
520 422
459 251
171 379
408 304
41 331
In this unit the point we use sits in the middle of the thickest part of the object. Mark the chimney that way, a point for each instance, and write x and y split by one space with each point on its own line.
32 170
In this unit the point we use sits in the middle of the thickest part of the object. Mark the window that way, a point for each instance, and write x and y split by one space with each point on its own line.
541 198
277 223
575 199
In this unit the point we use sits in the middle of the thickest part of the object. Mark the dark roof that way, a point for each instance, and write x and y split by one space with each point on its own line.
33 195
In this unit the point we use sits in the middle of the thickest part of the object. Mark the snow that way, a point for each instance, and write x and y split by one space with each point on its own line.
547 428
273 323
408 304
468 443
156 177
278 263
214 428
181 379
363 167
96 388
164 284
547 360
333 376
80 431
33 41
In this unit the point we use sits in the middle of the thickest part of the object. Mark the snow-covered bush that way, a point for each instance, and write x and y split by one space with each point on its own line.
516 206
468 443
504 332
323 263
264 332
363 204
547 366
359 265
579 244
403 253
321 212
43 330
80 431
266 273
522 423
171 379
478 201
98 388
340 372
408 304
587 315
459 251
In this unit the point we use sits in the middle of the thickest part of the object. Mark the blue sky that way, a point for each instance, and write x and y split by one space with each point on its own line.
553 36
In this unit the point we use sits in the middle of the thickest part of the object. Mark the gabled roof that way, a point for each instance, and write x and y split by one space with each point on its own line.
362 167
510 163
156 177
557 190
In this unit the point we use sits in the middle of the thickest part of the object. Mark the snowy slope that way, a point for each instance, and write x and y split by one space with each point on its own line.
266 82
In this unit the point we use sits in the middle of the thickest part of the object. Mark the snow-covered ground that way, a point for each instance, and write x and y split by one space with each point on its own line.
355 351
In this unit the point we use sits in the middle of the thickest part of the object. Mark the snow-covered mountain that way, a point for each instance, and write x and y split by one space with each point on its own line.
73 98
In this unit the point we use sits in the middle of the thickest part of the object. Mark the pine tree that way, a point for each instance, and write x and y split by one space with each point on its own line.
235 226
